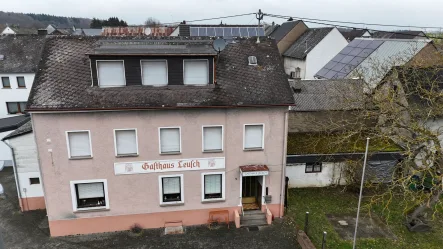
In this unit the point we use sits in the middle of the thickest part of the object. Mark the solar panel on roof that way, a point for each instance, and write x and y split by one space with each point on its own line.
366 52
374 44
244 32
261 32
202 31
338 67
252 31
356 61
322 72
355 51
235 31
194 31
227 32
210 31
338 58
364 43
347 59
347 69
218 31
340 76
354 43
330 74
346 50
330 65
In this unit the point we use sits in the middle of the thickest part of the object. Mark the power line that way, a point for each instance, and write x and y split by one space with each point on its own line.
214 18
350 27
367 24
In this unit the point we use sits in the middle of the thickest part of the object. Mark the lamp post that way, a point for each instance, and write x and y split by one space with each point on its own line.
361 192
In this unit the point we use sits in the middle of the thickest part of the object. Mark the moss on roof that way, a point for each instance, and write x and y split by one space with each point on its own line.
320 143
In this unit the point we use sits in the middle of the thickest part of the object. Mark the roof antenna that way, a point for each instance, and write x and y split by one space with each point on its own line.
259 17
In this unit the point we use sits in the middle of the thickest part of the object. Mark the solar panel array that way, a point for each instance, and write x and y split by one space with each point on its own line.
348 59
228 31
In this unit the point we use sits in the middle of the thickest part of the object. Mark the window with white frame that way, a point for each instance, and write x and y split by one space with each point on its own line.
212 138
314 167
170 140
171 189
155 73
89 194
126 143
196 72
253 137
111 73
79 144
213 186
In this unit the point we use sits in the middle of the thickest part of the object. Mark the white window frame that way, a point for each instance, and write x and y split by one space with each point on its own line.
160 143
160 190
222 140
98 76
207 61
167 72
244 137
69 149
222 189
74 194
115 142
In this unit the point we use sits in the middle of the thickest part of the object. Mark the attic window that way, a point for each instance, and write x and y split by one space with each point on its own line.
252 60
2 57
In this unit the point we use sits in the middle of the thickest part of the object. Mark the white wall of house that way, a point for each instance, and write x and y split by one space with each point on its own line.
5 151
291 64
331 174
8 31
25 151
366 34
175 32
325 50
14 94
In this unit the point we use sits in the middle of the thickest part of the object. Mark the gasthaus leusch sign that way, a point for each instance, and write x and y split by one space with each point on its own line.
158 166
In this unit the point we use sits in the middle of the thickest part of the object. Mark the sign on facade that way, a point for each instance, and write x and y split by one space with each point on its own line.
158 166
255 173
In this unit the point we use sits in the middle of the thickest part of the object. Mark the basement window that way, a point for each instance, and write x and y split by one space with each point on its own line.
313 167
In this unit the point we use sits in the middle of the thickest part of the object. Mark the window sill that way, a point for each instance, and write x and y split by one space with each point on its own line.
170 153
213 200
127 155
6 88
311 172
80 158
253 149
88 210
213 151
165 204
21 88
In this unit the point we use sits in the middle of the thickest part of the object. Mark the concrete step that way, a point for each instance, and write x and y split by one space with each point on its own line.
253 217
252 212
249 223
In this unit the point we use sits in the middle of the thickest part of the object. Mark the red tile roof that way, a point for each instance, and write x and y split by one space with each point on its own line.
249 168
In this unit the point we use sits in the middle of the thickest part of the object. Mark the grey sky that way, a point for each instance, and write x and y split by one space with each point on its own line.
402 12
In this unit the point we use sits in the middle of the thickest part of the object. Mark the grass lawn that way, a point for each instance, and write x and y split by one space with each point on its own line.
322 201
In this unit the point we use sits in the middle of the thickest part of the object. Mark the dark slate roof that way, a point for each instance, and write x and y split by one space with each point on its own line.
21 53
306 42
24 129
328 95
351 34
64 81
401 34
283 30
156 47
12 123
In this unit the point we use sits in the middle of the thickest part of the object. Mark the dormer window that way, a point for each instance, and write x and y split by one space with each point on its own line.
111 73
154 72
196 72
252 60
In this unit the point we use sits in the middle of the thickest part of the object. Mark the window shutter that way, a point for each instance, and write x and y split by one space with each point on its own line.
213 184
170 139
126 142
196 72
155 73
90 190
171 185
79 144
254 136
111 73
212 138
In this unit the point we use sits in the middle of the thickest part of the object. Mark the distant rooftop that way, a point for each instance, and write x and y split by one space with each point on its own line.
21 53
281 31
306 42
220 30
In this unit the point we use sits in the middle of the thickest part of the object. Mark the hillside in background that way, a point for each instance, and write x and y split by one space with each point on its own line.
41 20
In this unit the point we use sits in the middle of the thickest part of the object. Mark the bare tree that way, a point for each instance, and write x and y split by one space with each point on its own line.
152 22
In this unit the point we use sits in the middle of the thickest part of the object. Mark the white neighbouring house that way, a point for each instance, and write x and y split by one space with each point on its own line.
311 51
18 31
19 58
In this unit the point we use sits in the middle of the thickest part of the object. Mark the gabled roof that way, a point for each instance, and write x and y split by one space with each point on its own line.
370 58
23 129
327 95
24 31
87 32
280 32
351 34
401 34
306 42
238 84
12 123
21 53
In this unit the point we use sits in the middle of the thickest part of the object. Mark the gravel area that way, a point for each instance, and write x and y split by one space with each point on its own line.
29 230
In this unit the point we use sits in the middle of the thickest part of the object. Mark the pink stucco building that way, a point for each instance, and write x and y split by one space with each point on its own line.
159 132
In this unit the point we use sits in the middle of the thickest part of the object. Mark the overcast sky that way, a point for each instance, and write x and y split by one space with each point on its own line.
401 12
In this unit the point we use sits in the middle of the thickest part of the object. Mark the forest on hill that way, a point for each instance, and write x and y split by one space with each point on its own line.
41 20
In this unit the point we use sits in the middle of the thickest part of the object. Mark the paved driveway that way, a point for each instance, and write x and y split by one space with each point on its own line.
29 230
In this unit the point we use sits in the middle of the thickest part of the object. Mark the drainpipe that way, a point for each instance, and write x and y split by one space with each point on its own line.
15 175
283 171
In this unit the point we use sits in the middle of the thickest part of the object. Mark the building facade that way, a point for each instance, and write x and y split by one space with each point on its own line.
159 142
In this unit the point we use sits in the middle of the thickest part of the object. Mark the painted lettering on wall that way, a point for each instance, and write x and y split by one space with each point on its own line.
169 165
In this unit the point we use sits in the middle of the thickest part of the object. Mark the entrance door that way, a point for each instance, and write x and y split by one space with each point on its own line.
251 192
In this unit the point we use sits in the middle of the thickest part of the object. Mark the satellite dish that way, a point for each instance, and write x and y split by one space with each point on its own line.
219 44
148 31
